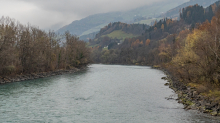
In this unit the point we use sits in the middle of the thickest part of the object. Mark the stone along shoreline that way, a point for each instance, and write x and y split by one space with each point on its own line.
18 78
190 98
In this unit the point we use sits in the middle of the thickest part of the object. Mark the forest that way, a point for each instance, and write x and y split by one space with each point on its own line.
26 49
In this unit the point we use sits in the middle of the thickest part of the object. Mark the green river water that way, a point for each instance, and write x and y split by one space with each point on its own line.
99 94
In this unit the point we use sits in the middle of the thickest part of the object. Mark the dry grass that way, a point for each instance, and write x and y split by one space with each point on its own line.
199 87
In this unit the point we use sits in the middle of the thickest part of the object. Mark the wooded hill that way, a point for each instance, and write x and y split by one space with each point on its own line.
115 33
136 29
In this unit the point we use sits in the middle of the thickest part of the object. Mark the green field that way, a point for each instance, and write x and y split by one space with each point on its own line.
148 21
95 29
119 34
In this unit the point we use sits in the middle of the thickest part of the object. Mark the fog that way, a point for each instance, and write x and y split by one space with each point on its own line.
53 14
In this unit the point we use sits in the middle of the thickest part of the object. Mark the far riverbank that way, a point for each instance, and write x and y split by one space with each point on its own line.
23 77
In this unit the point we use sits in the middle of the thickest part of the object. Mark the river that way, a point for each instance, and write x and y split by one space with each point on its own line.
99 94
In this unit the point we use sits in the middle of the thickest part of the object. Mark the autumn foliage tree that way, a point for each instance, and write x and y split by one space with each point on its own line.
27 49
198 58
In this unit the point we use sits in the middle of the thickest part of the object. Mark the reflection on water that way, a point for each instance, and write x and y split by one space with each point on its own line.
100 94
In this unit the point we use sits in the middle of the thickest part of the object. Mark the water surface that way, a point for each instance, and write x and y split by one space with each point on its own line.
100 94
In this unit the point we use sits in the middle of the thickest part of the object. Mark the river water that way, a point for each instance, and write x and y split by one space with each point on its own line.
100 94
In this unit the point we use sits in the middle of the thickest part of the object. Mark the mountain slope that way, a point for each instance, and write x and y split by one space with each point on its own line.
89 24
116 33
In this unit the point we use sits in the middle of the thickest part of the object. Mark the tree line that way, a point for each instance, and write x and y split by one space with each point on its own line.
27 49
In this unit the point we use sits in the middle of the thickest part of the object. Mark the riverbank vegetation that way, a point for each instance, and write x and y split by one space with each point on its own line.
26 49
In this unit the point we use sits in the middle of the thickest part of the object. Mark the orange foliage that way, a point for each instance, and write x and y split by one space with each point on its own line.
147 42
168 21
136 43
214 6
141 43
162 26
155 23
205 25
213 21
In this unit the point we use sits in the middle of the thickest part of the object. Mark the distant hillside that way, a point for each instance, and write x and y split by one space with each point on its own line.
135 29
94 23
79 26
87 37
175 11
117 32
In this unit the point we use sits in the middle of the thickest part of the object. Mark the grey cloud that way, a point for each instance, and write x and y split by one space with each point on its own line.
84 8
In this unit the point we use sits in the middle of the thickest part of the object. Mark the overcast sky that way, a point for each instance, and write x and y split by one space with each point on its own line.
53 14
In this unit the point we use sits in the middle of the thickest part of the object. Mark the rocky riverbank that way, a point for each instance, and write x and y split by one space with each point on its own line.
18 78
191 98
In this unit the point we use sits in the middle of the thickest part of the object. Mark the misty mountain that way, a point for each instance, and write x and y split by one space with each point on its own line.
95 22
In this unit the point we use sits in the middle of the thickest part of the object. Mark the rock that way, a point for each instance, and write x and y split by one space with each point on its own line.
201 108
197 104
194 107
187 107
180 101
206 111
208 106
41 76
7 81
195 93
215 113
166 84
214 104
2 82
164 78
218 107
